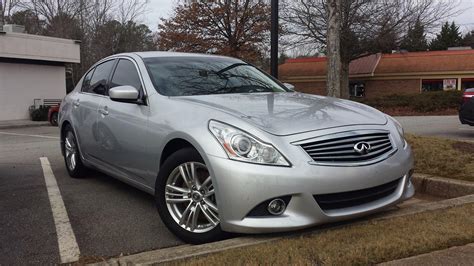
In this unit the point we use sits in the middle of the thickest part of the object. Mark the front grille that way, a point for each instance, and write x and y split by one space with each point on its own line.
339 148
356 197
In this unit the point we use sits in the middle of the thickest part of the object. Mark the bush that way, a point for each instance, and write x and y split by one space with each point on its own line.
40 114
423 102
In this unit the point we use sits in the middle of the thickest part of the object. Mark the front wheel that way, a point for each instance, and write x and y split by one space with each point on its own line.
185 198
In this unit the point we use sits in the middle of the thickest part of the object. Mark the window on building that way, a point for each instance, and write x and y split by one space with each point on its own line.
432 85
357 89
467 83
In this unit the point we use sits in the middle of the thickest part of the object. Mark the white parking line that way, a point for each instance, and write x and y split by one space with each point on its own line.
68 248
26 135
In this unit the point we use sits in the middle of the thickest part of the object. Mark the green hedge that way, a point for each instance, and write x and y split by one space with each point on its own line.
423 102
40 114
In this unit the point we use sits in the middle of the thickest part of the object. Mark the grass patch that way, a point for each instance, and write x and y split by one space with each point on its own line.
426 102
361 244
443 157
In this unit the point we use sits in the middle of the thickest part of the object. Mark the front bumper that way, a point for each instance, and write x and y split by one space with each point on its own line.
242 186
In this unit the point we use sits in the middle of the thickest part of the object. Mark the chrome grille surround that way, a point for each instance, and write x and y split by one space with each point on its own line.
337 149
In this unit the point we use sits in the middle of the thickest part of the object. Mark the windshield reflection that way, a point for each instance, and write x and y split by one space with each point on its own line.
182 76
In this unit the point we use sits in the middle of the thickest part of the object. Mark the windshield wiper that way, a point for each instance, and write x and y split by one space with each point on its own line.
230 67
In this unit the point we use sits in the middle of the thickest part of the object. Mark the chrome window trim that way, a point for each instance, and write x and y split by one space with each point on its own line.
145 92
347 134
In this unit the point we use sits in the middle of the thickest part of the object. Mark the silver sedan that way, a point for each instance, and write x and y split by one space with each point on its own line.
224 147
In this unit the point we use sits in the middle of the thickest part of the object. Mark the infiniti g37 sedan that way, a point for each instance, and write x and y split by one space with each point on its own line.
224 147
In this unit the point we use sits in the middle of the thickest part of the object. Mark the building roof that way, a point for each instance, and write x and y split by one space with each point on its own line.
38 48
385 64
433 61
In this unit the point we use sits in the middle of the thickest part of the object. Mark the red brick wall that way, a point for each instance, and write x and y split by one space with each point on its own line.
318 87
373 88
378 88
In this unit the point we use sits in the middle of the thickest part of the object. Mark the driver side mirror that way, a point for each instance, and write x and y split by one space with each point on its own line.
289 86
126 93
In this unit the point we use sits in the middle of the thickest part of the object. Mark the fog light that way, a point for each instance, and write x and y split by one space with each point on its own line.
276 206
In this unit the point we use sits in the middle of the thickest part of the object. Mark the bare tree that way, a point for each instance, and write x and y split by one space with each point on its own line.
104 27
6 8
333 84
366 25
130 10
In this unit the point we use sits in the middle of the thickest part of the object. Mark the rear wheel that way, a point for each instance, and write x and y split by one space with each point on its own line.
185 198
72 157
54 119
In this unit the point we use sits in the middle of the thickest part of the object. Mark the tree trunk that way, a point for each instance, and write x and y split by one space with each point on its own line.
333 81
2 16
344 79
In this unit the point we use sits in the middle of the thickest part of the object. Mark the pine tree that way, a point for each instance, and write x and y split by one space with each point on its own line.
468 39
415 40
450 36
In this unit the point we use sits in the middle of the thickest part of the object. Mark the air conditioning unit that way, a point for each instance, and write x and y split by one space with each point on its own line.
13 28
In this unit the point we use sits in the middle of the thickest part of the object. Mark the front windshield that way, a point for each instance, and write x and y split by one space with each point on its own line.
183 76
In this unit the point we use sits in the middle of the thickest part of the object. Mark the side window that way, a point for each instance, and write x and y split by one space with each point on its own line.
98 82
87 81
126 74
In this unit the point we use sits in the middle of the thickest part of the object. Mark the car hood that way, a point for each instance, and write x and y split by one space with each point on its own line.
291 113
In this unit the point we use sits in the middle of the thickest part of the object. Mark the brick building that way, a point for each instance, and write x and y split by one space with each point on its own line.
384 74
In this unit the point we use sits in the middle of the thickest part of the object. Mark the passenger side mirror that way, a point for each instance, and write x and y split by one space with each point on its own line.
289 86
125 93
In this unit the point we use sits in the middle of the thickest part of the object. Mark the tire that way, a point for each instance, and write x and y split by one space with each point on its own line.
195 199
75 167
54 119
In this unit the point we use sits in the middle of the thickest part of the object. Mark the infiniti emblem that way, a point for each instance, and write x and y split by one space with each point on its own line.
362 147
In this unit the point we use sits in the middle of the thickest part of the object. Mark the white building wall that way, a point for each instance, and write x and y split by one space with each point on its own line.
20 84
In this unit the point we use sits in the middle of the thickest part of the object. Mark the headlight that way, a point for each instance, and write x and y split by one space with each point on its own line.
400 130
242 146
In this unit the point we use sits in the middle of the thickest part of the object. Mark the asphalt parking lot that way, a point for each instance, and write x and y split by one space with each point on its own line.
106 216
440 126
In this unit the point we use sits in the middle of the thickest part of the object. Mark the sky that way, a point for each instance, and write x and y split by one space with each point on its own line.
164 8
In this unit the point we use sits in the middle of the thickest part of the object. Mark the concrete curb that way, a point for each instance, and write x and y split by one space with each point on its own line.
25 125
442 187
190 251
461 255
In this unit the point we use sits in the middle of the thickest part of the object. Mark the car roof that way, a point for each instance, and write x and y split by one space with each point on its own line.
151 54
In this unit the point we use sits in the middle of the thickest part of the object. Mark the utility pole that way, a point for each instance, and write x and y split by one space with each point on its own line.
274 39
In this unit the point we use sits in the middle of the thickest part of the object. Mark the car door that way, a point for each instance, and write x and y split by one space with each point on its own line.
123 126
86 105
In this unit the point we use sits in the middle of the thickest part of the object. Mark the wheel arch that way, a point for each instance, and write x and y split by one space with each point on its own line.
64 124
174 145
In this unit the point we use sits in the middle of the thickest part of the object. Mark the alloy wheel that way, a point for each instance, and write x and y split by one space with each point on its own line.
70 150
190 198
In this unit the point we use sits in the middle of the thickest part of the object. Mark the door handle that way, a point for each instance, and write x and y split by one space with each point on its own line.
104 111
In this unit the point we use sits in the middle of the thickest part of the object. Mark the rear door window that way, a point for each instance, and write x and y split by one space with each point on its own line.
98 82
87 81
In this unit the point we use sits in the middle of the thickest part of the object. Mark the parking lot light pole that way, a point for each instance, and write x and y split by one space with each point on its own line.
274 39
